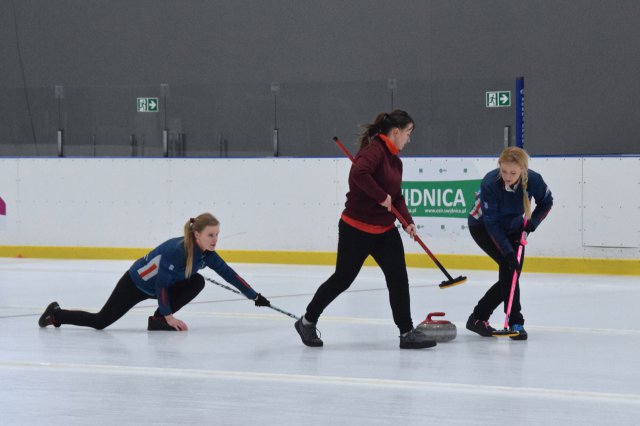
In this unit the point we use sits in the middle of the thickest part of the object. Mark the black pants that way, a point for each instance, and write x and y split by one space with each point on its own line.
125 296
499 292
353 248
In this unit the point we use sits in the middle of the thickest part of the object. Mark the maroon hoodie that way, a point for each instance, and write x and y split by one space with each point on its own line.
375 173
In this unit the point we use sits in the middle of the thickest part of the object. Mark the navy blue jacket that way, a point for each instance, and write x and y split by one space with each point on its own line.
165 265
501 211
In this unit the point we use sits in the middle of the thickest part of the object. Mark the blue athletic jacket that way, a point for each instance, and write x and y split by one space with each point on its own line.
165 265
501 210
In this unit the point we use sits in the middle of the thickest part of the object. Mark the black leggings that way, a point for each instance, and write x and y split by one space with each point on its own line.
125 296
353 248
500 291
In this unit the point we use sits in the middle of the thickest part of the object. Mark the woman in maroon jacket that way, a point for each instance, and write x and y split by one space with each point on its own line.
367 227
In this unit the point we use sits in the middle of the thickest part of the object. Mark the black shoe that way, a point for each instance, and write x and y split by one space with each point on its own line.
478 326
308 334
522 333
159 324
48 317
416 339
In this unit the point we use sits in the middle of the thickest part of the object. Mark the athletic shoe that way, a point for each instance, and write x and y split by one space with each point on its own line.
308 334
48 317
481 327
522 333
159 324
416 339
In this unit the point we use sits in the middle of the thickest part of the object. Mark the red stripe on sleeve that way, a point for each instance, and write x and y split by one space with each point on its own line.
149 270
243 281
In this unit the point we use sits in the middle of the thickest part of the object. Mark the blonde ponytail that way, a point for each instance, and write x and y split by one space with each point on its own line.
520 157
196 224
525 198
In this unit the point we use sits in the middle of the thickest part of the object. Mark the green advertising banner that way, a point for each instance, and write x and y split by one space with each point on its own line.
453 198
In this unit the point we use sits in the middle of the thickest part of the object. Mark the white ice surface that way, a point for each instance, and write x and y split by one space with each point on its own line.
242 365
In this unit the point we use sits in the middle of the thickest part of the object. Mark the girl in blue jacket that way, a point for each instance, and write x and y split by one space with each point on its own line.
496 223
169 274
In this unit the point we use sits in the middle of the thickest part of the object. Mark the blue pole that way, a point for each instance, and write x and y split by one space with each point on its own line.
520 112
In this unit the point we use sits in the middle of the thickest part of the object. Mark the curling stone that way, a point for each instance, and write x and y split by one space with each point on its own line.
438 330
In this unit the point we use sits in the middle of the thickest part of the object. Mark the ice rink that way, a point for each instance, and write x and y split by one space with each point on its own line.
242 365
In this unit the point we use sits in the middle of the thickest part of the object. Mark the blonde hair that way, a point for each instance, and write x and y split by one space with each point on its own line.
519 156
196 224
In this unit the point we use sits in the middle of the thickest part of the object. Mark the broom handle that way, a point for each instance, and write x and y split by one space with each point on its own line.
282 311
523 242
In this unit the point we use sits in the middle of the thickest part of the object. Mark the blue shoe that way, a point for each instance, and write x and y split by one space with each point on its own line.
522 333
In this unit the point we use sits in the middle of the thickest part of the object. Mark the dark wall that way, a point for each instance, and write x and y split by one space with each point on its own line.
332 61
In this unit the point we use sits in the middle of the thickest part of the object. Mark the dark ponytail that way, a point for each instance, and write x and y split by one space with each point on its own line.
384 123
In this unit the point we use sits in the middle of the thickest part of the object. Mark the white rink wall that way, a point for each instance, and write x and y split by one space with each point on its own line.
287 204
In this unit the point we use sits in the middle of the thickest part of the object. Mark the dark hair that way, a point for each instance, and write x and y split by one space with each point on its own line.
384 123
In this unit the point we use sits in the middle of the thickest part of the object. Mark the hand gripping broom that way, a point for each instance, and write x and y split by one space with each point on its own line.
282 311
450 281
506 331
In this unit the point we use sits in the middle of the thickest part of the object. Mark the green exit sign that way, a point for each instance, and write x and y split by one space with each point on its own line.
147 104
498 99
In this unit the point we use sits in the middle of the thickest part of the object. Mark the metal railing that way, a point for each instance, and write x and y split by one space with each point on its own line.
269 119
